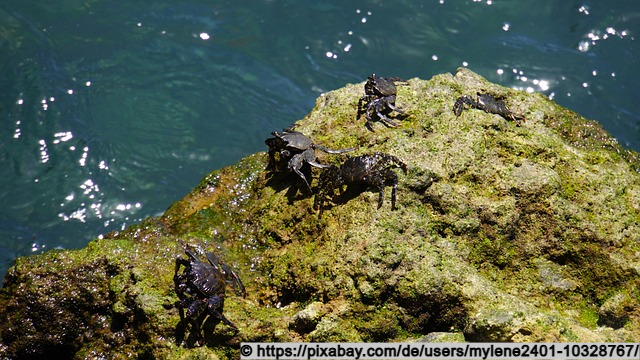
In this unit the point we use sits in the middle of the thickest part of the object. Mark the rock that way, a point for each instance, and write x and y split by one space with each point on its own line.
551 277
306 320
502 233
617 310
443 337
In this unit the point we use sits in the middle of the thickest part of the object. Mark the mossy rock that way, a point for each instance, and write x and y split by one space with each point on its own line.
501 233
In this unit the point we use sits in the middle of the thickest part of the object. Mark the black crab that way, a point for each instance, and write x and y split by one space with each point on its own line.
201 286
488 103
379 100
295 149
373 170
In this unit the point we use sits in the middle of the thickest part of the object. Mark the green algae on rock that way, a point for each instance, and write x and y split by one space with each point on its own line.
502 233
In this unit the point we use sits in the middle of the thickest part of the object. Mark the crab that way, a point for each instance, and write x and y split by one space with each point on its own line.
373 170
201 286
379 100
488 103
296 149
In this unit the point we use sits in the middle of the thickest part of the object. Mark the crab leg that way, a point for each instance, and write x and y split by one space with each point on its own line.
331 151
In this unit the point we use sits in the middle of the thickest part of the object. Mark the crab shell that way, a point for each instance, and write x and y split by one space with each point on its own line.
379 86
361 168
294 140
205 278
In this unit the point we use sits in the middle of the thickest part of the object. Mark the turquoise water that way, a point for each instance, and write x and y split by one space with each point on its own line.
111 112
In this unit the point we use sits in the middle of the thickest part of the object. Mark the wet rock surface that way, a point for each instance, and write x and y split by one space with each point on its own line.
501 233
